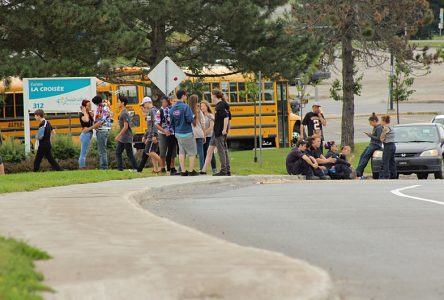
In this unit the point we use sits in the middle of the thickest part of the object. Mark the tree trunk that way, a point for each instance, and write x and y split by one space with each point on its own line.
158 52
348 105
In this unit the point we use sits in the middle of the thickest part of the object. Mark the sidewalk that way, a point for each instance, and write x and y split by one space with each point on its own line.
105 246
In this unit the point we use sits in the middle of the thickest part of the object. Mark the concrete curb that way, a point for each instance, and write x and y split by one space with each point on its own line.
420 113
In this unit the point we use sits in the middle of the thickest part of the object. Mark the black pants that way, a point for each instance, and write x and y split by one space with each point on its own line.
302 167
388 162
171 150
44 150
342 171
129 152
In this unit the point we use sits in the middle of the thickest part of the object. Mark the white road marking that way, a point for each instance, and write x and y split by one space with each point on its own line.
397 192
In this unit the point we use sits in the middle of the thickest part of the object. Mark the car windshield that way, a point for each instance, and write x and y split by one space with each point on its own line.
439 121
416 134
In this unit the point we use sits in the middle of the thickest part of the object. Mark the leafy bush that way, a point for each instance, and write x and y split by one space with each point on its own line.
12 151
64 148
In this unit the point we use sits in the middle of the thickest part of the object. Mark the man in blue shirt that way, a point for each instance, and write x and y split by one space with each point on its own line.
182 119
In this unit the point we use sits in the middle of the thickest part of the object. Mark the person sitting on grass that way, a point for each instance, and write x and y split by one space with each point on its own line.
342 168
314 150
298 162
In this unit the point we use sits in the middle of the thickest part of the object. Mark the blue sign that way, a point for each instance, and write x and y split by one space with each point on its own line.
54 87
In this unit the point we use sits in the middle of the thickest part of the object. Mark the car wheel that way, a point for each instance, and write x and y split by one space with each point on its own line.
438 175
422 176
375 175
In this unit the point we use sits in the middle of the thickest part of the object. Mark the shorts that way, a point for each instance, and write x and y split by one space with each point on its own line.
187 145
151 147
213 140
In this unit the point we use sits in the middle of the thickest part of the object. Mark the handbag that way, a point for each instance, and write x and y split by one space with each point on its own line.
41 132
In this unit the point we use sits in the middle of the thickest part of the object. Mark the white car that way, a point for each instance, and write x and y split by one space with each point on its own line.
438 119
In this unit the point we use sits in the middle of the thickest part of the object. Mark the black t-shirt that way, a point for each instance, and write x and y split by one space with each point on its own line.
222 112
46 140
311 120
294 158
316 153
90 123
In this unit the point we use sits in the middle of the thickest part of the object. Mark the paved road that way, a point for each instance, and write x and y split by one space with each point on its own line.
375 244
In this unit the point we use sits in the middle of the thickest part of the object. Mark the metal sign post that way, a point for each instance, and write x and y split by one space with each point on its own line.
166 76
260 118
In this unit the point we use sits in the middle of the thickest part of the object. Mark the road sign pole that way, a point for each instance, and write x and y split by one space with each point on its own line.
166 78
260 118
27 122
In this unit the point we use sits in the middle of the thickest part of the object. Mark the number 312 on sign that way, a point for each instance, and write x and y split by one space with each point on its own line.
38 105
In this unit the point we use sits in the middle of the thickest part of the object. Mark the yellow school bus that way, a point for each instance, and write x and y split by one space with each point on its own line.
276 129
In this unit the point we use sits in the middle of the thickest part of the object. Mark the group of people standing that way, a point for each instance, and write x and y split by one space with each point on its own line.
307 158
174 129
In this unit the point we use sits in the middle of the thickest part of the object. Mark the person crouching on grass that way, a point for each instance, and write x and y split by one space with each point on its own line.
44 136
151 136
298 162
125 137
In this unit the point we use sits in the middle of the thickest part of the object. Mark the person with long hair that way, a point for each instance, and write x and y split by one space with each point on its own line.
198 128
388 155
375 144
87 123
205 107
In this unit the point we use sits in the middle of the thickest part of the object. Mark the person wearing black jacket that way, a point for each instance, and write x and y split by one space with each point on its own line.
341 169
375 144
44 149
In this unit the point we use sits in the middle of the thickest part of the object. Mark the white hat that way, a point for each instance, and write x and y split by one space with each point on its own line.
146 100
317 104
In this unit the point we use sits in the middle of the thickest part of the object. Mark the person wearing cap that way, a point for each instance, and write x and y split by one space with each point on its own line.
150 137
182 119
298 162
102 125
314 121
124 138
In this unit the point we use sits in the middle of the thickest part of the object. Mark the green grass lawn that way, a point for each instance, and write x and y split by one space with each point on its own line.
32 181
242 162
18 279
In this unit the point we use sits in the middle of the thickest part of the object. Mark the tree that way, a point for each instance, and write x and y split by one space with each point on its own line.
402 81
89 37
427 31
362 30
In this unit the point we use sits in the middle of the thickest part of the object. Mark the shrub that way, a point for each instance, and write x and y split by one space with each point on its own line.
64 148
12 151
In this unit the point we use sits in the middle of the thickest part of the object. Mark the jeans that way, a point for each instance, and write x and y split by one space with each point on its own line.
388 162
102 141
129 152
45 151
85 140
200 152
213 159
365 157
222 149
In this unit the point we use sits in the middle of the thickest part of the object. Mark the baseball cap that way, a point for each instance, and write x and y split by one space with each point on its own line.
301 142
317 104
146 100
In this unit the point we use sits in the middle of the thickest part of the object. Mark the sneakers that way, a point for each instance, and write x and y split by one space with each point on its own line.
221 174
203 173
193 173
174 172
163 171
312 178
184 173
325 177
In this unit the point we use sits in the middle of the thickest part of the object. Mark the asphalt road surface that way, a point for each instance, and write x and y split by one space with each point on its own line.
377 239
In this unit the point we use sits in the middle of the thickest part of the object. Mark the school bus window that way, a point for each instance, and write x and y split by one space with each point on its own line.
9 106
148 92
130 92
242 95
269 91
224 86
19 105
215 85
233 92
207 92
